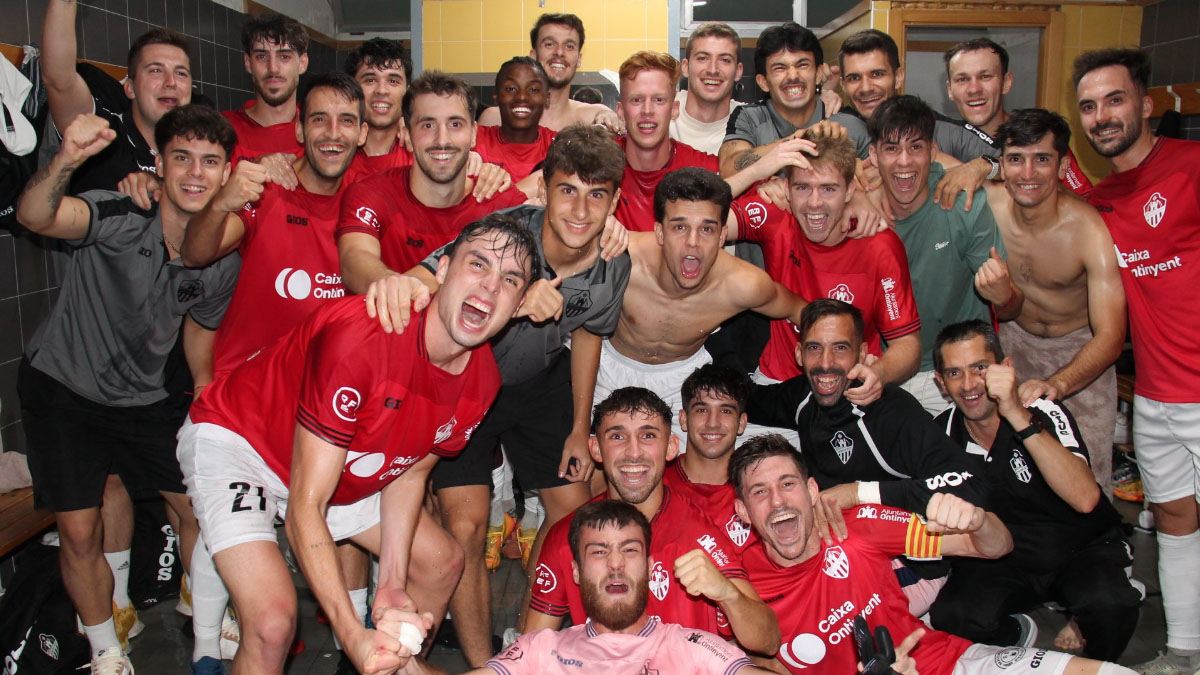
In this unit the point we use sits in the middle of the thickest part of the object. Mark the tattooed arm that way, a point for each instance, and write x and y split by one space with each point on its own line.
43 207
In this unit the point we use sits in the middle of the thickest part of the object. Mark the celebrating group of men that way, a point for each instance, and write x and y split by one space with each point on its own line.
552 281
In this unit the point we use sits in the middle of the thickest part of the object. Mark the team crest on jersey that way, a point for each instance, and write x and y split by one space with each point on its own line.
444 431
756 214
837 565
843 445
579 303
841 292
1020 467
367 216
737 531
1007 657
1154 209
544 580
345 403
660 581
868 511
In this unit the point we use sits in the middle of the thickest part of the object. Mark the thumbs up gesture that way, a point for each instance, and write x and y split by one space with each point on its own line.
993 281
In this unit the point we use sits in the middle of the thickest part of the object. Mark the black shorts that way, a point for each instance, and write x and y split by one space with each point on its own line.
531 420
74 443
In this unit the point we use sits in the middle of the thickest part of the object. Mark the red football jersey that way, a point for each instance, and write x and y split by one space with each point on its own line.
254 140
1153 213
364 165
816 601
340 376
384 207
678 527
715 500
518 159
870 273
289 268
635 209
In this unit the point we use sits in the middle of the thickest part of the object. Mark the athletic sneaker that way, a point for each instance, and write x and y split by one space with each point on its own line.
207 665
127 624
1029 630
111 661
184 606
1167 664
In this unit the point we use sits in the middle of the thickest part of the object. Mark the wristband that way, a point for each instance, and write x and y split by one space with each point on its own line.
868 492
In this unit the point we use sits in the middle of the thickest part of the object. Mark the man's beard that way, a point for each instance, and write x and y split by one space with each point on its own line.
1126 141
612 615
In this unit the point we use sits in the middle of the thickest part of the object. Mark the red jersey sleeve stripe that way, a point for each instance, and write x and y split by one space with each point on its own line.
445 453
548 608
901 331
734 573
357 227
333 436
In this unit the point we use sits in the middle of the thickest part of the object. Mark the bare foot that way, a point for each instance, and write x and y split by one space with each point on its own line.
1069 638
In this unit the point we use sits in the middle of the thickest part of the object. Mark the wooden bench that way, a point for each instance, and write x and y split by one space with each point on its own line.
1125 388
19 520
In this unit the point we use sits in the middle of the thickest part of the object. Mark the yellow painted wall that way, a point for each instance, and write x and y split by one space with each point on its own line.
1090 27
473 36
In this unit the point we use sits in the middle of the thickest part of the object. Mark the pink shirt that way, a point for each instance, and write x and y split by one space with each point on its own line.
657 648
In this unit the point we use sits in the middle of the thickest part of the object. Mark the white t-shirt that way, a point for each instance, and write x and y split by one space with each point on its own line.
704 136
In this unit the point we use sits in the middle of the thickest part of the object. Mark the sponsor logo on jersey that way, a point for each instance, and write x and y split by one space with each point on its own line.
398 466
1154 209
1020 467
579 303
948 479
941 245
364 464
367 216
297 220
1150 269
737 530
660 581
843 445
793 259
841 292
889 297
868 512
574 663
544 580
444 431
1008 657
756 214
709 544
836 564
723 621
297 284
345 403
802 651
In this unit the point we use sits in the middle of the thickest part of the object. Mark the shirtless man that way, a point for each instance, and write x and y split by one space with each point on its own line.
1071 327
682 286
557 44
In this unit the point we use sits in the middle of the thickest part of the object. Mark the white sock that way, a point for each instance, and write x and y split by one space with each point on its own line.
209 599
119 564
102 636
1179 577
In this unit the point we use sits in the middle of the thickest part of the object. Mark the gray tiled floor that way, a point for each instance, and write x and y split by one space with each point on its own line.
164 649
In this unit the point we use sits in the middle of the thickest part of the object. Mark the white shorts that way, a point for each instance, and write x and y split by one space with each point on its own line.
1166 437
665 379
925 389
989 660
237 497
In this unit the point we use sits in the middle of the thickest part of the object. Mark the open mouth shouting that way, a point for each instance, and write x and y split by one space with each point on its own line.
905 181
784 525
617 585
475 313
827 382
690 266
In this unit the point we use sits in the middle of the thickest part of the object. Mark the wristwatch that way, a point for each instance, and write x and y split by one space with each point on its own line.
1035 427
995 171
